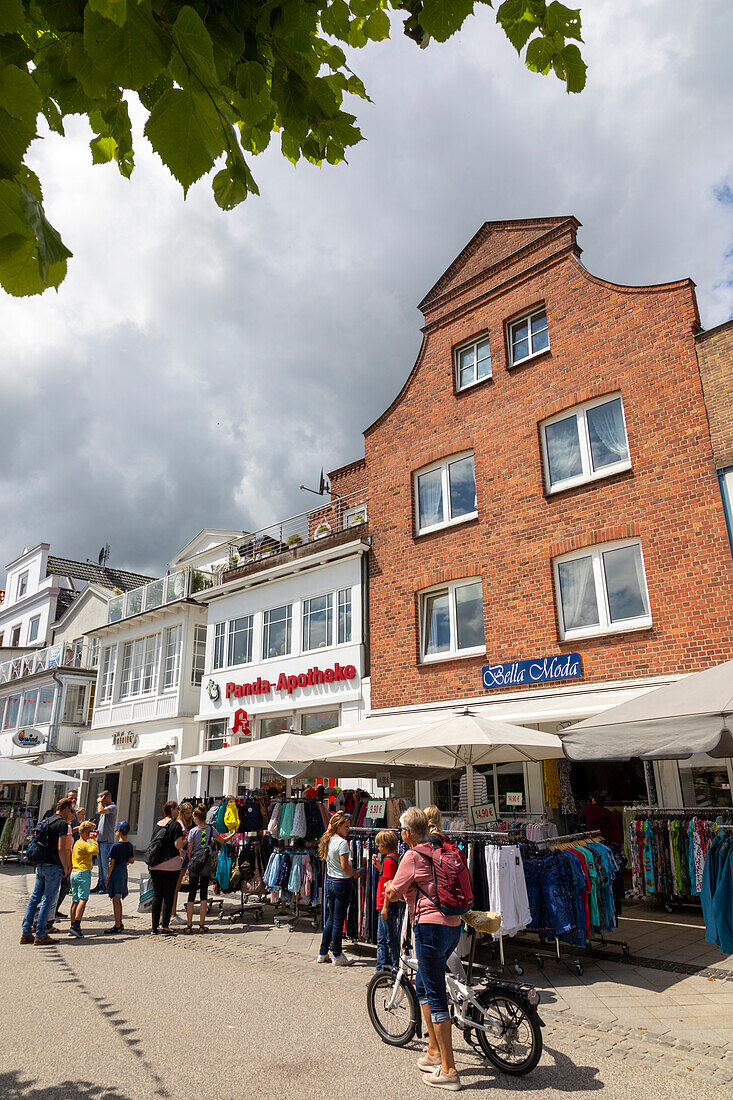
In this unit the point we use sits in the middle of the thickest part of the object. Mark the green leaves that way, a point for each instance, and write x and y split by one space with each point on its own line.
187 133
215 77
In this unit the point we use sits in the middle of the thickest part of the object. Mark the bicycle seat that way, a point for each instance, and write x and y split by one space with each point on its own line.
482 921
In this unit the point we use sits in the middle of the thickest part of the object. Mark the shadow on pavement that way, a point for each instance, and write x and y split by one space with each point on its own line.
15 1086
564 1075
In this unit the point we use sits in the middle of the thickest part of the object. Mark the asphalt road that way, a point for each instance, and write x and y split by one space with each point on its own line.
139 1017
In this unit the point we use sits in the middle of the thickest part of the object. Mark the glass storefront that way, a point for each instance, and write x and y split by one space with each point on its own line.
135 789
707 785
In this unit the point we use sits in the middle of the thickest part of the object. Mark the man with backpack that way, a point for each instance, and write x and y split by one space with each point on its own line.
50 850
435 882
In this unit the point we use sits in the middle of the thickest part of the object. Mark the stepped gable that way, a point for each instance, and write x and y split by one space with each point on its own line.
494 243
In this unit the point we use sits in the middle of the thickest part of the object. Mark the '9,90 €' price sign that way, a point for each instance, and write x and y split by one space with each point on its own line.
483 813
376 808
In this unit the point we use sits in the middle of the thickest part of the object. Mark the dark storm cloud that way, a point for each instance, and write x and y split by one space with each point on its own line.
196 367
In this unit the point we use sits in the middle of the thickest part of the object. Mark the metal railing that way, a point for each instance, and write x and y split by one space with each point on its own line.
176 586
331 518
83 653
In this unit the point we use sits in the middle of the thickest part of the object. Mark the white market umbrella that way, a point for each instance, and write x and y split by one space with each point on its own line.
690 716
289 754
16 771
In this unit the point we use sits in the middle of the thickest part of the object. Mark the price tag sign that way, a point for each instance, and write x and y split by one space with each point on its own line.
514 798
483 813
384 779
376 808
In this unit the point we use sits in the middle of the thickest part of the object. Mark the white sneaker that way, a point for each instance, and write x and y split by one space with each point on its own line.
324 958
341 960
177 920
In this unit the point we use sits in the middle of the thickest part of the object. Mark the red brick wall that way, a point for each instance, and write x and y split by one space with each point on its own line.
604 338
715 354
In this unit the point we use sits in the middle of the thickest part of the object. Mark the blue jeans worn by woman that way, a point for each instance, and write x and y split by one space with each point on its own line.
434 944
388 936
43 898
338 896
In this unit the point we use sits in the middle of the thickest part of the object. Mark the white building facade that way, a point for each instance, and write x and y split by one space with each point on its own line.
286 651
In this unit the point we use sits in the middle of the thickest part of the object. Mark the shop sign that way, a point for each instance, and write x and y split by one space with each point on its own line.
28 738
483 813
214 691
539 670
514 798
241 723
376 808
127 740
384 779
335 674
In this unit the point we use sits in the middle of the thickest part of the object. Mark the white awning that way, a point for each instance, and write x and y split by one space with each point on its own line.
109 758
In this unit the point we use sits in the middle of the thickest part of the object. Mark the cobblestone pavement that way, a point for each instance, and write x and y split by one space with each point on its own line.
246 1012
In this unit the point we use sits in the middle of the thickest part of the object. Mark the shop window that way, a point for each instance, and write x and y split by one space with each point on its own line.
473 364
602 590
107 672
452 621
318 721
199 655
136 784
74 704
11 712
317 622
216 735
705 786
344 616
529 336
584 444
33 626
44 711
445 494
277 632
172 657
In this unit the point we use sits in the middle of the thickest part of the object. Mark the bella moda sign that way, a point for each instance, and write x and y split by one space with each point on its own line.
564 666
313 676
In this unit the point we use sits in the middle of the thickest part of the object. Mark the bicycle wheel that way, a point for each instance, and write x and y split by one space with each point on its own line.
393 1013
519 1047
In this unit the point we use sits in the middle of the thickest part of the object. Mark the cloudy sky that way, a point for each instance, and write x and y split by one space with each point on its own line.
197 366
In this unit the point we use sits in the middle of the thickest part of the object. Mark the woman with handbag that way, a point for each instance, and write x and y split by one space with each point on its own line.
201 841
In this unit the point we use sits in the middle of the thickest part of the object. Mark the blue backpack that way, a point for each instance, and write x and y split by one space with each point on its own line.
38 847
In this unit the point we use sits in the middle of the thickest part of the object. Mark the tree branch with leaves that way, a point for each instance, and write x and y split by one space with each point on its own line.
217 78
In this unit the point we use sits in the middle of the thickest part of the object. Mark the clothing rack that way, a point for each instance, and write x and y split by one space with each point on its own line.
682 811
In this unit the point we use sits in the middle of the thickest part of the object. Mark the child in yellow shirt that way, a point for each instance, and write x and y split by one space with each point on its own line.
82 854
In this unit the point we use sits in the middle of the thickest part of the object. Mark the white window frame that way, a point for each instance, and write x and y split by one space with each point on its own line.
473 344
344 600
305 616
266 631
29 692
453 652
171 663
443 465
198 655
588 474
67 718
46 690
35 621
230 632
15 641
528 317
219 650
107 665
141 667
352 514
605 625
23 585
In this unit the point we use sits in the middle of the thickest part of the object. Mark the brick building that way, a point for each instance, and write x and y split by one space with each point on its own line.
543 486
715 355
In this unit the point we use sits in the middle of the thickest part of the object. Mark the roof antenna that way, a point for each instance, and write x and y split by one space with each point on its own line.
323 486
104 555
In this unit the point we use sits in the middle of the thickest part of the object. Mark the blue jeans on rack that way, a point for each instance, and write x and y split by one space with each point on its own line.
388 936
338 896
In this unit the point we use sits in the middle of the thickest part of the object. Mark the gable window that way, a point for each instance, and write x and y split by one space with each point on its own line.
344 615
317 622
473 364
107 672
22 585
277 631
199 654
602 590
171 657
528 336
452 621
585 443
445 493
33 626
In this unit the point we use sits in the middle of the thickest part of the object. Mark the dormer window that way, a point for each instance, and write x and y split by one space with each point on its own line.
528 336
473 364
22 585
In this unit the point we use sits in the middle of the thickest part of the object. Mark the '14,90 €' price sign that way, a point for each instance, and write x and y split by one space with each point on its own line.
483 813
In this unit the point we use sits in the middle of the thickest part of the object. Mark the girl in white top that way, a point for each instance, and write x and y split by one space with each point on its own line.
334 849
